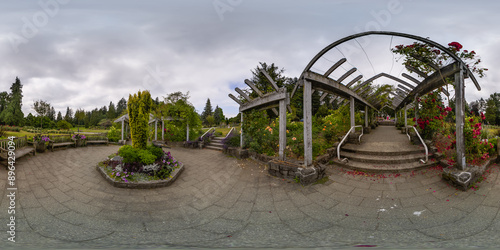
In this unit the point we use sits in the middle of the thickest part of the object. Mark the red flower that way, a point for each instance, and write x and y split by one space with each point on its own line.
456 45
471 120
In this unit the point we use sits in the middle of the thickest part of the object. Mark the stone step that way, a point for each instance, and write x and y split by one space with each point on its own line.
383 168
213 147
395 149
217 144
383 159
387 123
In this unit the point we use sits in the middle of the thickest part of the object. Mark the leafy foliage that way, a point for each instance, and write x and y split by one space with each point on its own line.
178 107
139 106
419 55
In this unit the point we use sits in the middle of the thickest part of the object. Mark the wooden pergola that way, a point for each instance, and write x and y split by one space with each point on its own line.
125 120
406 92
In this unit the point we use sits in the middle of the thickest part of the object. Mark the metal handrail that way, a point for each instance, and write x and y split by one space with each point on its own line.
230 131
423 143
207 132
343 139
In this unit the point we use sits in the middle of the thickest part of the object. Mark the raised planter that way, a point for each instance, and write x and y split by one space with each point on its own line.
462 179
236 152
296 172
142 185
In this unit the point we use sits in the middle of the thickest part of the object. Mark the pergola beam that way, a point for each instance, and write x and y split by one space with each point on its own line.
267 99
347 74
334 67
329 85
354 81
420 73
269 79
434 81
259 93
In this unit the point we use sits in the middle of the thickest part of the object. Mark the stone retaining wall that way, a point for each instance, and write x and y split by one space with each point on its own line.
142 185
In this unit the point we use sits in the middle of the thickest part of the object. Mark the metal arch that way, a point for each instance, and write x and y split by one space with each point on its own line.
389 33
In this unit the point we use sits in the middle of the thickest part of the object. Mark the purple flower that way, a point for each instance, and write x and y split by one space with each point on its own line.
117 174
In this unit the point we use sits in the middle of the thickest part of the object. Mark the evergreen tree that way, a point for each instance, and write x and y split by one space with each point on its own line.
261 81
218 115
80 116
69 115
491 111
139 106
13 114
206 112
111 111
4 100
121 107
52 114
59 116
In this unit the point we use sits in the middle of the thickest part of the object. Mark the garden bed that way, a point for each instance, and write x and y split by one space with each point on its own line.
142 185
149 167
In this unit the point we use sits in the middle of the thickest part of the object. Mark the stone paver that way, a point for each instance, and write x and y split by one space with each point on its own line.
222 202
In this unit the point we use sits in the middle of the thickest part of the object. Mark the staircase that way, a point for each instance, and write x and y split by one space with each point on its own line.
387 123
215 143
383 150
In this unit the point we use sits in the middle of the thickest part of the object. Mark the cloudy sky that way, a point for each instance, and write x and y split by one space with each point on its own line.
84 54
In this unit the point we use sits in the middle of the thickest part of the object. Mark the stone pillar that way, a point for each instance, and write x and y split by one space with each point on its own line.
187 131
282 130
353 121
460 117
307 109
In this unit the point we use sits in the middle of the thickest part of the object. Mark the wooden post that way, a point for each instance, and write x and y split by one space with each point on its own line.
162 130
156 129
460 117
406 118
307 109
416 107
353 121
241 131
282 130
366 116
123 127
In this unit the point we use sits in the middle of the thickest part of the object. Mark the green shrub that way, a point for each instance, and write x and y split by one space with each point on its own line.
62 124
146 157
114 134
494 141
129 154
156 151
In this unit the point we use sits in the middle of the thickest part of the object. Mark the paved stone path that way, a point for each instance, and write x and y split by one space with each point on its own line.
221 202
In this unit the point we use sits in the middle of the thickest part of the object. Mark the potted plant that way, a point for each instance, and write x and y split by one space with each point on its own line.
40 143
80 139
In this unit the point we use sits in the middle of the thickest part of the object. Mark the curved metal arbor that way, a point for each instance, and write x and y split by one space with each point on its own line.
405 93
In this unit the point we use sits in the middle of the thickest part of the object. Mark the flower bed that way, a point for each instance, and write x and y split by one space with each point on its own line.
140 168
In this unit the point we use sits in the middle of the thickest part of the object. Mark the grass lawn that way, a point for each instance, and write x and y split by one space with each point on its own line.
224 131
